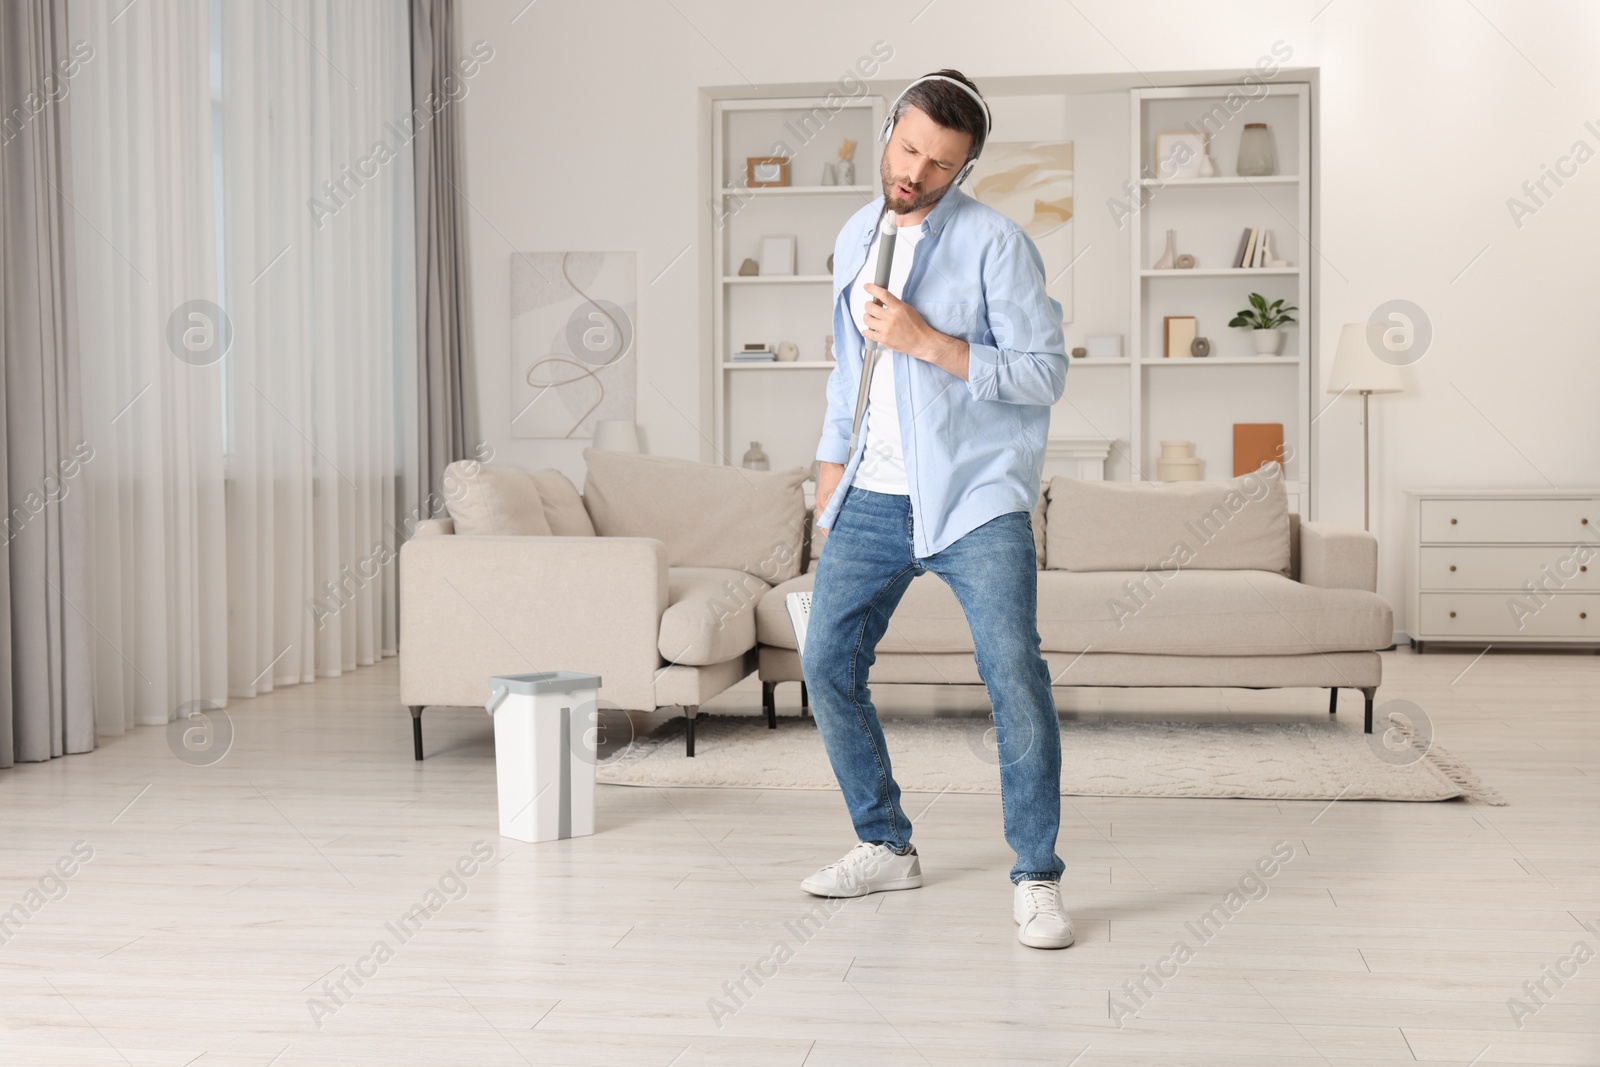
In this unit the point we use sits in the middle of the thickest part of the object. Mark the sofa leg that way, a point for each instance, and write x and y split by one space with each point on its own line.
1333 700
805 701
691 710
1370 692
769 703
416 728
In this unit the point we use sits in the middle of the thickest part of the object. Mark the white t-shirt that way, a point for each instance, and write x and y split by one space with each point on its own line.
883 467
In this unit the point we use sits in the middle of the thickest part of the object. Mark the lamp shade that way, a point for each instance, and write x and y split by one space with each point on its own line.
1357 369
616 435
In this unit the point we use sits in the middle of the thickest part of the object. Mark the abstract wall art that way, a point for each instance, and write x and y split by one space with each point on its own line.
573 341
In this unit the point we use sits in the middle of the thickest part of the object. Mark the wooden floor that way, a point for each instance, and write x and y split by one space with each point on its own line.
224 902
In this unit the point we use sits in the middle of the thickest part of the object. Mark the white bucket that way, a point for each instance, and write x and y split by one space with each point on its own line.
544 753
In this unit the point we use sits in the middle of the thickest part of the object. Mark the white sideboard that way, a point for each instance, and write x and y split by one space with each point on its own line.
1503 566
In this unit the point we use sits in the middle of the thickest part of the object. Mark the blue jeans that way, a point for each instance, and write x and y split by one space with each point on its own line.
867 562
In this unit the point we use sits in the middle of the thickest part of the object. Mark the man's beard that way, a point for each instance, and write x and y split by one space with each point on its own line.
918 201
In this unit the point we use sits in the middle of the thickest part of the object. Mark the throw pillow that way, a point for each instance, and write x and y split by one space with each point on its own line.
502 501
707 515
563 507
1241 524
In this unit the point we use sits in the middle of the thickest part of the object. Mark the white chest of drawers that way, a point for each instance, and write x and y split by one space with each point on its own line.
1503 566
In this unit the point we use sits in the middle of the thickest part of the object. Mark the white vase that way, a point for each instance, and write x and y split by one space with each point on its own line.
1170 257
1268 342
1208 169
847 172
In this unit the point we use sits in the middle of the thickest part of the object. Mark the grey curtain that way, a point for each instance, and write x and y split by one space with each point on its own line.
446 421
46 696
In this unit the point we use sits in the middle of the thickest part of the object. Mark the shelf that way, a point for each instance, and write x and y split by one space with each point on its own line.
1100 361
1215 272
1226 361
1271 179
800 190
776 279
794 364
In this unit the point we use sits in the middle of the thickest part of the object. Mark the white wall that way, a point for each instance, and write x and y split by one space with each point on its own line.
586 132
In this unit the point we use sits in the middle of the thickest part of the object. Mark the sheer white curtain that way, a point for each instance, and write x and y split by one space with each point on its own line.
146 244
319 221
243 515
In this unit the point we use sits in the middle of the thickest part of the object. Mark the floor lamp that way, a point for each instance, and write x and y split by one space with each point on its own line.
1357 368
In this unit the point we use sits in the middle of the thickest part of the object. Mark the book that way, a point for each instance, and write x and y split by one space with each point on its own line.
1244 242
1256 443
799 605
1250 247
1177 334
1261 249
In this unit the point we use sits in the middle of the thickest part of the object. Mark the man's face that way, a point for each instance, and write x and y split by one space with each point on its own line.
921 161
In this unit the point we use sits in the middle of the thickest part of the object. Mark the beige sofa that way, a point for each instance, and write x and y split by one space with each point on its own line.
649 580
667 579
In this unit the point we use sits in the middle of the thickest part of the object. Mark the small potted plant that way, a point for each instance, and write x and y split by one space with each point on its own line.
1265 320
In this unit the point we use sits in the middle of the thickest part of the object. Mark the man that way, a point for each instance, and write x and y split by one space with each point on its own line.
945 480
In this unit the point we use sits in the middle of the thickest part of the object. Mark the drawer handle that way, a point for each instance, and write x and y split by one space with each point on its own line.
1583 568
1452 522
1452 567
1452 614
1583 614
1583 522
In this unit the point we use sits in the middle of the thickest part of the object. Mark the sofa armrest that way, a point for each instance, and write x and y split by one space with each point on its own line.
476 606
1338 557
434 528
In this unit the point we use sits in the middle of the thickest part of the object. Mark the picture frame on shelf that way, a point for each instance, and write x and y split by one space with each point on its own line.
777 255
766 172
1104 345
1178 333
1180 154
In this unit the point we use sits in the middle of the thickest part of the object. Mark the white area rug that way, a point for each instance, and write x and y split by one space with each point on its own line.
1275 761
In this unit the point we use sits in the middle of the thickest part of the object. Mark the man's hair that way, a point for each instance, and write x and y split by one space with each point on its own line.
948 106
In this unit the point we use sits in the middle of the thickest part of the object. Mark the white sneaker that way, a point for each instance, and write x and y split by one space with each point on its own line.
867 868
1041 920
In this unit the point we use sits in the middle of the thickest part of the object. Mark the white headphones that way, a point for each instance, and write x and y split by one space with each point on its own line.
888 122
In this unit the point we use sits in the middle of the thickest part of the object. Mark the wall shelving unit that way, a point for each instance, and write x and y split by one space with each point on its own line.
1207 214
765 401
762 401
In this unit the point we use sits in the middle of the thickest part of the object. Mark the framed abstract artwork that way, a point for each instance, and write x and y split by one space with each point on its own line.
573 341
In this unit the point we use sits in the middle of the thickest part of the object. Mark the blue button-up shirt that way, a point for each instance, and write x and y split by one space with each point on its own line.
974 449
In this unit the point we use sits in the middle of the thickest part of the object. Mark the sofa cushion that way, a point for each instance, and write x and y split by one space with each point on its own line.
1241 524
563 507
706 515
1207 613
1195 613
711 614
498 500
